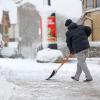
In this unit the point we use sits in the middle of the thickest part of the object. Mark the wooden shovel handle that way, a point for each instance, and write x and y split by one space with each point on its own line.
64 61
66 58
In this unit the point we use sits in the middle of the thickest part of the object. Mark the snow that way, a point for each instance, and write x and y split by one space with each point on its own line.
27 69
49 55
95 44
5 88
24 79
10 50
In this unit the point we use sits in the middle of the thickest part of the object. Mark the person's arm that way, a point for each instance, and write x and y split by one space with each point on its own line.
69 43
88 30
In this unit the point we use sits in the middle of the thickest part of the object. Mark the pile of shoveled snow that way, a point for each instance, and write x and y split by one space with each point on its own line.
49 55
11 50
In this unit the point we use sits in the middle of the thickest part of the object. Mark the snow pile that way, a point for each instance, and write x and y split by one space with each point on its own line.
95 44
10 50
49 55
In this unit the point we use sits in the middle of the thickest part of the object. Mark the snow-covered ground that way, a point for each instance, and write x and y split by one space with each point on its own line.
24 79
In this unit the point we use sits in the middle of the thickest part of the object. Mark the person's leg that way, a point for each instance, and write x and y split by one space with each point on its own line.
81 56
78 72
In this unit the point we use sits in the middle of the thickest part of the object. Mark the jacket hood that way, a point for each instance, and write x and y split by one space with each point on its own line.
72 26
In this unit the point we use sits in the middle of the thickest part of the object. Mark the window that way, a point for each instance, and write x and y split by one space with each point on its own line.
98 3
89 3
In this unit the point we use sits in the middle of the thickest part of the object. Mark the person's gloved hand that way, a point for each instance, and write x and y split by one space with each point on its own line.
71 54
65 60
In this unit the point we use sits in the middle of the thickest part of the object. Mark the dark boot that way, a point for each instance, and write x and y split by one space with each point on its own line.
74 78
88 80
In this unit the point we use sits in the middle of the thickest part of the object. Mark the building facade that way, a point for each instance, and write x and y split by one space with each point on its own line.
91 9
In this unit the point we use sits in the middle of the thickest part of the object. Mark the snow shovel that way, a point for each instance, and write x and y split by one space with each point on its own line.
55 71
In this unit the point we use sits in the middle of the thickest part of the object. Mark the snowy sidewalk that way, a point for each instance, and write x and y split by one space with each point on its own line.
26 80
6 89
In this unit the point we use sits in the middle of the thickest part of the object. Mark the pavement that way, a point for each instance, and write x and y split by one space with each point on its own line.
60 87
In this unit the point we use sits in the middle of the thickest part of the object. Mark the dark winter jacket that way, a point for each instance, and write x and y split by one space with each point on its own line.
77 37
